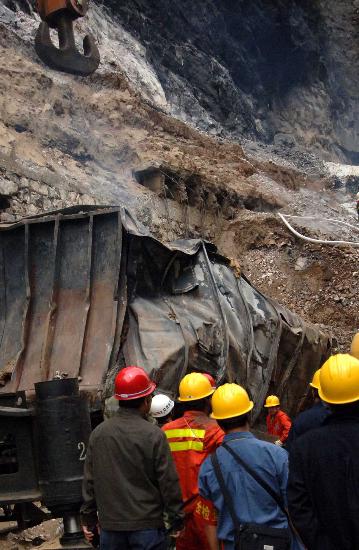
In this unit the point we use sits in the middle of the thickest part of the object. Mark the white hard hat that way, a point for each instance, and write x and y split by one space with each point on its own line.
161 405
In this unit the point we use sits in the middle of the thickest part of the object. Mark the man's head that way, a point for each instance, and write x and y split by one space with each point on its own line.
339 382
134 389
272 404
195 391
238 423
143 405
231 406
162 408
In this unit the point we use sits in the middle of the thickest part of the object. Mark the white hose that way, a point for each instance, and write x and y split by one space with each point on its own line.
317 241
325 219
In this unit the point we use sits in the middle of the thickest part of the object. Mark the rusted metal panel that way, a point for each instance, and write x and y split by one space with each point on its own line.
59 298
14 302
102 320
71 298
39 275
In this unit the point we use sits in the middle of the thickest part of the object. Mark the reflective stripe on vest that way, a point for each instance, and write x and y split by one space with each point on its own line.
185 432
192 442
186 445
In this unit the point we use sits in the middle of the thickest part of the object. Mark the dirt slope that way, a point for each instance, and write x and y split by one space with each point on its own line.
66 140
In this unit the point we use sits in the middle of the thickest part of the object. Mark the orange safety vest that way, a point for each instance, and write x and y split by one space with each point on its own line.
191 439
279 425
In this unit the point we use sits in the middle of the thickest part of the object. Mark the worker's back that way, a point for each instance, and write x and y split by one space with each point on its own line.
307 420
252 503
324 481
192 438
132 472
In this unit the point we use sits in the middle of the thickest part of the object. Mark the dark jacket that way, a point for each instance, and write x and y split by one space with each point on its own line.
305 421
129 476
323 486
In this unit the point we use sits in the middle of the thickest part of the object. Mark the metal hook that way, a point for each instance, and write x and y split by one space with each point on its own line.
66 57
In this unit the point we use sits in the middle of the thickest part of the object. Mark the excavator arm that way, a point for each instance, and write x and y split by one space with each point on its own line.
60 15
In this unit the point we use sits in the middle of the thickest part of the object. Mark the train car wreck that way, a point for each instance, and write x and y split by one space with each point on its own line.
87 290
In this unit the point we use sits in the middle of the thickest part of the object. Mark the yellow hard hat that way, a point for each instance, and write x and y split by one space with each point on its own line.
230 400
354 348
272 401
339 379
315 381
194 386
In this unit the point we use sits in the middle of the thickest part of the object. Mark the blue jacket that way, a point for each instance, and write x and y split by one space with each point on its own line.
252 502
305 421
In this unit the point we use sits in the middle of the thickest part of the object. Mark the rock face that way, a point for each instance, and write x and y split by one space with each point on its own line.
282 71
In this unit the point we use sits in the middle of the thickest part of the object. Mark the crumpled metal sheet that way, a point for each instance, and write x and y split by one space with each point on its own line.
86 291
191 313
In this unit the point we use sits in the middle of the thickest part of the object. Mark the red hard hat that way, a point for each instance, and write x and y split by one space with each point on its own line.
210 378
133 383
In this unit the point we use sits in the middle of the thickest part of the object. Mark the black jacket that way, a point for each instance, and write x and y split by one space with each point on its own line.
129 477
305 421
323 485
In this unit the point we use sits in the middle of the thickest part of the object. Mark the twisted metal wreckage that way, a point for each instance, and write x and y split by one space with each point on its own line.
88 290
83 291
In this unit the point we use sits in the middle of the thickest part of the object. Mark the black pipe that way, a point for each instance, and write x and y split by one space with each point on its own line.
63 429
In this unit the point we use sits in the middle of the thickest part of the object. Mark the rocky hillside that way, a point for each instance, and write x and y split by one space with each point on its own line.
149 130
282 71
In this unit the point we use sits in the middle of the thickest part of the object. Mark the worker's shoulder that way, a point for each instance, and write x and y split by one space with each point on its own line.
267 449
174 424
118 425
266 445
253 449
211 424
311 418
332 430
283 415
312 440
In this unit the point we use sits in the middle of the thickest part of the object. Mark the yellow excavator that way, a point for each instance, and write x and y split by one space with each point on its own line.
60 15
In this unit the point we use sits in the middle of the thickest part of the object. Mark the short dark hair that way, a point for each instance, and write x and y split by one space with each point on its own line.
197 405
131 403
235 422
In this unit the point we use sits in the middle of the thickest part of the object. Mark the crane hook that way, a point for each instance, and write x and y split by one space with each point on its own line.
60 16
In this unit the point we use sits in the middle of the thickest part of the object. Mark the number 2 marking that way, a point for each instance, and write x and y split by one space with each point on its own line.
82 448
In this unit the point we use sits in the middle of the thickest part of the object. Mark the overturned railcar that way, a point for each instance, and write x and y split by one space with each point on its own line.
87 290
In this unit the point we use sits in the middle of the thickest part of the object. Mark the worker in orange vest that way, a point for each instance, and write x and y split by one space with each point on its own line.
278 422
192 437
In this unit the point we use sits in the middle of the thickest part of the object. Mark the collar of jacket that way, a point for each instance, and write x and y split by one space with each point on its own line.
194 414
126 413
238 435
